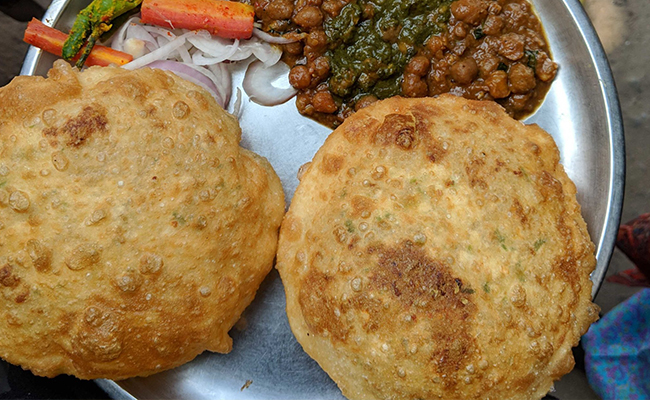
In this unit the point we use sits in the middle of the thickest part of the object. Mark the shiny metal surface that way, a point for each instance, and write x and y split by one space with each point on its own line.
582 113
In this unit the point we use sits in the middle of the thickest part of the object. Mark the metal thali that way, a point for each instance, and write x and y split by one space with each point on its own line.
581 112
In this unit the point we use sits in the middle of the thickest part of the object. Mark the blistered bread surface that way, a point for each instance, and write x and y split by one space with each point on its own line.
133 228
435 249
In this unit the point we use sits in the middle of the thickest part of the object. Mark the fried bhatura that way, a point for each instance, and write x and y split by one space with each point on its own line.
434 248
134 229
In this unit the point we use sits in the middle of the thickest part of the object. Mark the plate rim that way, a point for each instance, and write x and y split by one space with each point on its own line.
616 142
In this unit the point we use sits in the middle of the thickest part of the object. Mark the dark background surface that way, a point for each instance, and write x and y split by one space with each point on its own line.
15 383
624 29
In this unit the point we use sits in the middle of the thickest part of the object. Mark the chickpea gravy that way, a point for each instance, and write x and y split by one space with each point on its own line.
355 52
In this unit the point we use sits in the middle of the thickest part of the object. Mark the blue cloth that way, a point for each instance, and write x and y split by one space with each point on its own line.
617 351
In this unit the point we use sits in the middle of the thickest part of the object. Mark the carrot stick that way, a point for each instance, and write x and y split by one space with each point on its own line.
223 18
51 40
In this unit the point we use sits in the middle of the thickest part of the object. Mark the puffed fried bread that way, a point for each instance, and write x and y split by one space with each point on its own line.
134 229
434 248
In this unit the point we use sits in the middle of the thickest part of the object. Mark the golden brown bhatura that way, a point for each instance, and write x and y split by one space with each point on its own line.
434 249
133 228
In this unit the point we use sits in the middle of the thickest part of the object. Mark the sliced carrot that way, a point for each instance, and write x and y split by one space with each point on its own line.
228 19
51 40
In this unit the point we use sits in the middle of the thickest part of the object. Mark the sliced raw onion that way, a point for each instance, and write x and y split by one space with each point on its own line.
214 46
221 74
117 42
156 30
197 75
267 37
258 83
236 109
136 31
160 53
263 51
184 52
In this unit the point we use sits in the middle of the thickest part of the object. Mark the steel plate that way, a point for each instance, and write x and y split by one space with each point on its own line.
582 113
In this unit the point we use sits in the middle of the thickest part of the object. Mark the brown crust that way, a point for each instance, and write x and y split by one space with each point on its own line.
133 228
441 254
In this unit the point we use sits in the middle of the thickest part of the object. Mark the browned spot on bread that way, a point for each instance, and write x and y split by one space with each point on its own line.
22 296
319 309
199 99
83 256
550 187
362 206
41 256
500 164
291 228
426 112
416 279
565 266
98 334
357 130
474 170
406 278
374 315
398 130
353 242
7 278
331 164
518 210
534 148
75 131
435 151
340 234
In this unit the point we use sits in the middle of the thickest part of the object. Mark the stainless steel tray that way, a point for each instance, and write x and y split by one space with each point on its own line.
582 113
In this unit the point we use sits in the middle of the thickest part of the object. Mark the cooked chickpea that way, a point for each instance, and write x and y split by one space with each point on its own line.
493 25
323 102
303 103
545 68
464 71
518 102
365 101
308 17
418 65
321 68
511 46
521 79
280 9
460 30
487 64
497 84
332 7
299 77
317 39
472 12
294 48
494 8
435 44
414 86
